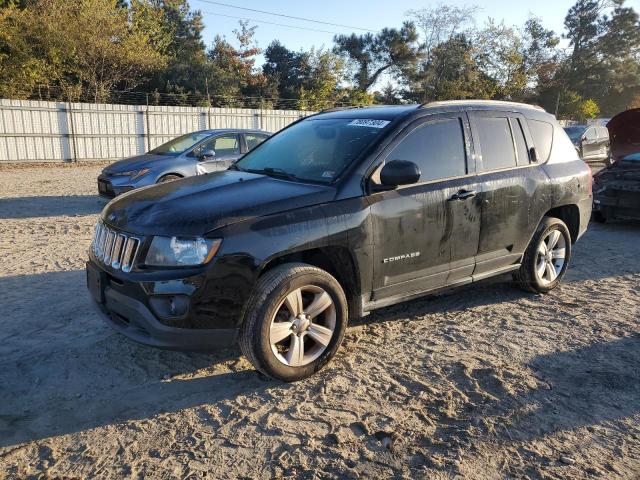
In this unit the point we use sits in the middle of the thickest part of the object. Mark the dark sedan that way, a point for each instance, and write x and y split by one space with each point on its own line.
195 153
591 142
616 190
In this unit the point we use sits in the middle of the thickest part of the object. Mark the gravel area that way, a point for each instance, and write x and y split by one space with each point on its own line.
483 382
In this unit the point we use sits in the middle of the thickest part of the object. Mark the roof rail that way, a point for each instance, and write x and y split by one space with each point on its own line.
337 109
480 102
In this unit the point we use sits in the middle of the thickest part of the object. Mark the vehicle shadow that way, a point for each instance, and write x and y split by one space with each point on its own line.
582 387
62 370
50 206
604 251
556 393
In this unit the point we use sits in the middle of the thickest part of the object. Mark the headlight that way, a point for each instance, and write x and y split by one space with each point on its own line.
133 173
179 251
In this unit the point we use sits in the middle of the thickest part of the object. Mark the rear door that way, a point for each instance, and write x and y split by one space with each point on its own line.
510 188
590 144
425 232
603 140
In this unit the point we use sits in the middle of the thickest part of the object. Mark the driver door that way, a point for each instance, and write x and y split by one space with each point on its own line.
426 234
226 149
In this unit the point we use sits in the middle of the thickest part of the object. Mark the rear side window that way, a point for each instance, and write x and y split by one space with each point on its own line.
496 143
437 148
542 133
521 145
253 140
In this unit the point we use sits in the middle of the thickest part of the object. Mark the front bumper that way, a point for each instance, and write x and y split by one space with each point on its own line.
107 188
619 203
133 318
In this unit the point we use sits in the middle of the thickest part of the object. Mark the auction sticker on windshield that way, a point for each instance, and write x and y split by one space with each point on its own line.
369 122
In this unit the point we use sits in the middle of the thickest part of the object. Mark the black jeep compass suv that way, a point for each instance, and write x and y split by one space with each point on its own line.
340 213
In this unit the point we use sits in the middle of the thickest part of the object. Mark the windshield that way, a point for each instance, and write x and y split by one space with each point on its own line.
316 149
575 133
179 145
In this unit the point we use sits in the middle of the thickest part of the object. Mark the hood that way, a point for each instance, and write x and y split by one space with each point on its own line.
199 204
624 133
136 163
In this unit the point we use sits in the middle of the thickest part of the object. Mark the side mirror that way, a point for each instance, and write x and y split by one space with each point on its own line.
399 172
207 155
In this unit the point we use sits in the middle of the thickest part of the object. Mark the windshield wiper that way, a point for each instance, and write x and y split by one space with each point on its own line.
279 172
275 172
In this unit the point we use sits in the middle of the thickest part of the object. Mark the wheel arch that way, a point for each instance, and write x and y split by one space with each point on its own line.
166 174
570 215
335 260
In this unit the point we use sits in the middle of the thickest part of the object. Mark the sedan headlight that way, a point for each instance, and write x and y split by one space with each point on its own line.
181 251
133 173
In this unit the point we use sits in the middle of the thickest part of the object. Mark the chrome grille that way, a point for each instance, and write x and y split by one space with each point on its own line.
114 249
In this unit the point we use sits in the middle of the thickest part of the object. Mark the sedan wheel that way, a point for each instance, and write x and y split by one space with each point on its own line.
169 178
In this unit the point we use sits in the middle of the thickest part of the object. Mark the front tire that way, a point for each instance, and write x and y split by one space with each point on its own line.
169 178
546 259
295 321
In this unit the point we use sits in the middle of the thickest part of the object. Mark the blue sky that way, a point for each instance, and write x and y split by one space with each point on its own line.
370 14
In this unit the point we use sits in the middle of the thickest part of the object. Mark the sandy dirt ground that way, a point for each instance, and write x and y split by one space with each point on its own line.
484 382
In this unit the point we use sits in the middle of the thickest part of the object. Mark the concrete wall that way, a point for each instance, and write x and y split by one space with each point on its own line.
34 131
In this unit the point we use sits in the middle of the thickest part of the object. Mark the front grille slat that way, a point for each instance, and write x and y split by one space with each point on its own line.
117 251
101 239
129 254
108 245
114 249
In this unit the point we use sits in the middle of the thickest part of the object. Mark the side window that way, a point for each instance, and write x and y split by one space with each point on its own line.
603 133
590 134
226 145
496 143
437 148
522 151
253 140
542 133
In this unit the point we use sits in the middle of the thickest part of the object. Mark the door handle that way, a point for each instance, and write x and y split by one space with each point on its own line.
463 194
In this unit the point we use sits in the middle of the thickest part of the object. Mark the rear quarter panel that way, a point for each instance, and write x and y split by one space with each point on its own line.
570 178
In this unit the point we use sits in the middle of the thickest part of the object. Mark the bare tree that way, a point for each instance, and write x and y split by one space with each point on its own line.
441 23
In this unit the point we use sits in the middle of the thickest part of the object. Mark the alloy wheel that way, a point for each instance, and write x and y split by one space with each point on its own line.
303 326
550 257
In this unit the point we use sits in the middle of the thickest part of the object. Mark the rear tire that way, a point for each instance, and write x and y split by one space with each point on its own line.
294 322
547 257
169 178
